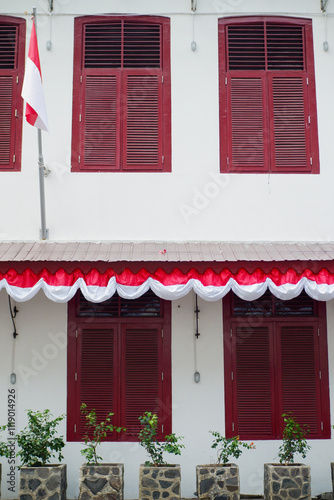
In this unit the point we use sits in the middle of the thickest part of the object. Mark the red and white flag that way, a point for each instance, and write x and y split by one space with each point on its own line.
32 90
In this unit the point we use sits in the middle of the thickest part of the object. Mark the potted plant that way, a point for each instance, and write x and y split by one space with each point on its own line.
222 478
288 479
158 478
38 443
99 480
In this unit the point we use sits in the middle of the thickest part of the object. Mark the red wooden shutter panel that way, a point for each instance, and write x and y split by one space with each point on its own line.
285 47
7 120
96 373
247 123
100 124
246 47
253 380
300 374
141 376
142 122
12 56
142 45
103 45
289 123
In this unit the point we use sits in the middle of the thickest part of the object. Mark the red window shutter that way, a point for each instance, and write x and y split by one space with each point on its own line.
100 122
142 121
121 115
7 120
253 381
281 135
119 361
12 53
96 368
277 367
142 374
300 374
289 123
247 123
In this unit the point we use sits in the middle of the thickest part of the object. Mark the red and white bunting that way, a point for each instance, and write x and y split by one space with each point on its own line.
61 286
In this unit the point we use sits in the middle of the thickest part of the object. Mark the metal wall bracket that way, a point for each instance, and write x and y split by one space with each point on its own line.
323 5
46 234
50 5
193 5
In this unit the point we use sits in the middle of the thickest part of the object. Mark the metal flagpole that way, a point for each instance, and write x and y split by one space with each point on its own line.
44 232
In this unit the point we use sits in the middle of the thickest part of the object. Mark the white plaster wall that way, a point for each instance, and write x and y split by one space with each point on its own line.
40 364
153 206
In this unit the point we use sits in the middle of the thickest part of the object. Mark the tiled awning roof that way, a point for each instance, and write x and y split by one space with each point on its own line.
132 268
163 251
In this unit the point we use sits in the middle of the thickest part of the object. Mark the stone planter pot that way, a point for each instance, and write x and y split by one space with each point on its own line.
163 482
287 481
47 482
218 481
101 481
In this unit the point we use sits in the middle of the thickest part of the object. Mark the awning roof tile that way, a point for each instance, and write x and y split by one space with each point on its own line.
165 251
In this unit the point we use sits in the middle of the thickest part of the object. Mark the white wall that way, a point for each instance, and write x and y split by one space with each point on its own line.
152 206
40 364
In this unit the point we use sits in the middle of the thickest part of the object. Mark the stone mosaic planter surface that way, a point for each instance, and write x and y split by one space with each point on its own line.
47 482
160 483
287 481
102 482
218 482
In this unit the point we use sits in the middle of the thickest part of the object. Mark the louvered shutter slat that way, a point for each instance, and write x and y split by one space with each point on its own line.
289 124
142 375
142 123
247 124
100 122
285 47
96 376
299 374
103 45
142 45
7 125
246 47
253 382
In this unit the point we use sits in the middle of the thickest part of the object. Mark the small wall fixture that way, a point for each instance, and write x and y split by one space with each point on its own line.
13 378
197 377
325 46
193 5
323 5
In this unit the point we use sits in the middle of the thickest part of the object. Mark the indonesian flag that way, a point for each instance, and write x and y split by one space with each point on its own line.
32 90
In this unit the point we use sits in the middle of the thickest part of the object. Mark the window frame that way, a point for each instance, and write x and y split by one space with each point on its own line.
164 104
15 148
311 128
119 325
275 324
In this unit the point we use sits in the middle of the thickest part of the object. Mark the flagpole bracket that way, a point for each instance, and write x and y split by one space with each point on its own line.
47 171
44 236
